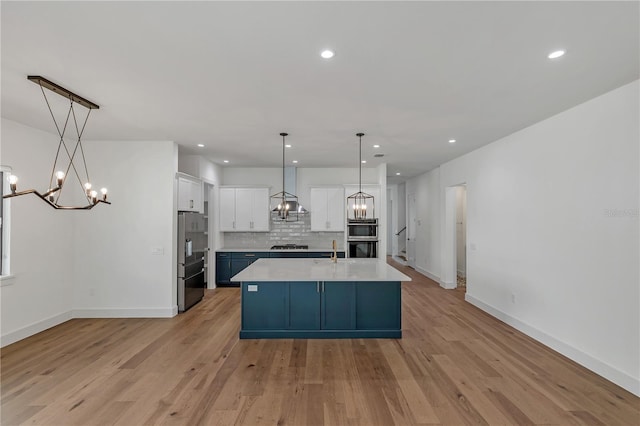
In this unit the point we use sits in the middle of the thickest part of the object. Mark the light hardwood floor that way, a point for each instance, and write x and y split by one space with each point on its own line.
455 365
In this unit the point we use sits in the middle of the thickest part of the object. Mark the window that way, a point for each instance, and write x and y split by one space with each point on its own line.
4 221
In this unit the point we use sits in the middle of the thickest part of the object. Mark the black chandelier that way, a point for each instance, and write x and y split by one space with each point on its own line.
284 205
357 203
52 195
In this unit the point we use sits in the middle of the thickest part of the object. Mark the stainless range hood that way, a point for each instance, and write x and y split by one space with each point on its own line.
290 175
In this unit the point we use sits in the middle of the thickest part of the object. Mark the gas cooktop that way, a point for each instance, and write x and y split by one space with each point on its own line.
289 247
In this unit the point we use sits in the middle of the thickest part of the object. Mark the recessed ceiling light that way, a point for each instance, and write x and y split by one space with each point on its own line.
295 161
376 146
364 161
225 161
452 141
327 54
556 54
397 173
201 145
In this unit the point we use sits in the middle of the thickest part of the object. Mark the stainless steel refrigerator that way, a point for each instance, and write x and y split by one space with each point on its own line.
192 252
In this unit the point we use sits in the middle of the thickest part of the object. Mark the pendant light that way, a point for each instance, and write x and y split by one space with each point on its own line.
52 195
358 203
283 205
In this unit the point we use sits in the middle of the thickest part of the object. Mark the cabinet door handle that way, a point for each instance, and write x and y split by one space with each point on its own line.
190 204
317 286
234 224
323 286
249 255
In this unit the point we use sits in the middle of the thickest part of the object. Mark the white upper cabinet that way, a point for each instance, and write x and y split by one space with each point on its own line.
244 210
327 209
227 210
189 194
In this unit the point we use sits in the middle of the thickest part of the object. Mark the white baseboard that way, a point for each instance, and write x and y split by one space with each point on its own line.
126 312
428 274
608 372
35 328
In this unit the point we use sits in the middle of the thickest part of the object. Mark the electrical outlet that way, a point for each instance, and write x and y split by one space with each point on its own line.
513 298
157 251
473 247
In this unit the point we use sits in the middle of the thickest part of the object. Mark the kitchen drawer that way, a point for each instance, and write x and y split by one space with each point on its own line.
249 254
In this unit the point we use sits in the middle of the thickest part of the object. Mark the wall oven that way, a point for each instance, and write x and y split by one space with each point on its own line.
362 238
362 229
362 249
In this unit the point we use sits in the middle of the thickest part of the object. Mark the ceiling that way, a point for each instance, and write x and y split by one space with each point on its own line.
233 75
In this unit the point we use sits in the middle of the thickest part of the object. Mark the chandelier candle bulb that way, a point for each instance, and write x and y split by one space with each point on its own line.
59 177
104 194
13 183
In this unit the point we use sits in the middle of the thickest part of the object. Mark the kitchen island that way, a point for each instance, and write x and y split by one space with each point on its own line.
318 298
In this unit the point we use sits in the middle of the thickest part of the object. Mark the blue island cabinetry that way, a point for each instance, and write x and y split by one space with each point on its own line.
230 263
321 309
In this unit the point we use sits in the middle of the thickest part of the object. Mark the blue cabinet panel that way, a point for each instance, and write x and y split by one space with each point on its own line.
288 255
304 305
264 308
338 305
378 305
240 260
223 268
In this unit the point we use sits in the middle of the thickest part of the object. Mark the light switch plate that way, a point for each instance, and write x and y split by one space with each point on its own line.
157 251
252 287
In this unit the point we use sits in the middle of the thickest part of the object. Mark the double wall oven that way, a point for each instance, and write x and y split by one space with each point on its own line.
362 238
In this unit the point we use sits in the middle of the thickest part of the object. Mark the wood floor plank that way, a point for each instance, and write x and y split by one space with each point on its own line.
454 365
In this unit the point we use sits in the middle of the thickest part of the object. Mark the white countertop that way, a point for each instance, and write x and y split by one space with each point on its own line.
320 270
261 250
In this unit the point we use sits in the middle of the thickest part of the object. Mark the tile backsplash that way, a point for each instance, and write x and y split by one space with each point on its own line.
284 233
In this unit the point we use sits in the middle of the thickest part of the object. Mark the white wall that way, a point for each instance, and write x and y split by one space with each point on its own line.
552 212
426 189
117 273
89 263
461 226
41 293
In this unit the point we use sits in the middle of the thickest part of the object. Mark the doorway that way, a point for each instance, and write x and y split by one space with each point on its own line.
411 230
461 236
454 262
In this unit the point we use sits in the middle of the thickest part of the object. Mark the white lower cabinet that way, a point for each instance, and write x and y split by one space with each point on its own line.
244 209
327 209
